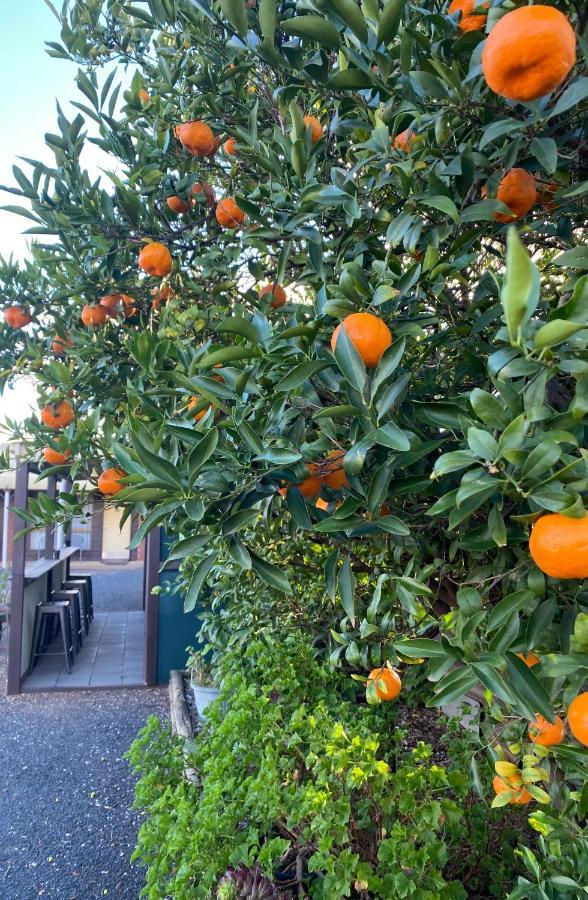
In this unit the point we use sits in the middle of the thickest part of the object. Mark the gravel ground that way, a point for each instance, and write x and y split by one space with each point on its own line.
115 588
66 825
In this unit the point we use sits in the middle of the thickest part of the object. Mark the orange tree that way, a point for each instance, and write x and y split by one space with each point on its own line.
283 170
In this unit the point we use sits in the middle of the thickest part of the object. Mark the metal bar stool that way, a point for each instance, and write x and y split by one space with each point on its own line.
81 585
73 598
59 610
85 576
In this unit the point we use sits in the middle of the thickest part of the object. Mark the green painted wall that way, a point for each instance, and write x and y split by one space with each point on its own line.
177 629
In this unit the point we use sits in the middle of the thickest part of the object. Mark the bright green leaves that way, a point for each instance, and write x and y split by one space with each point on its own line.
520 292
314 28
390 20
236 13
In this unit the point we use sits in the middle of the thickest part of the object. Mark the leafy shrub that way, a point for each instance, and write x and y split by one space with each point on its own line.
295 773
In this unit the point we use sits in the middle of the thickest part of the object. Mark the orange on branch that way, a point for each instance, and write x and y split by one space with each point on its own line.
54 457
156 260
316 129
521 795
559 546
529 52
192 403
229 146
530 659
546 733
60 345
196 137
94 315
15 317
57 415
405 141
109 482
228 213
517 190
203 187
277 293
387 682
177 205
369 334
467 21
578 718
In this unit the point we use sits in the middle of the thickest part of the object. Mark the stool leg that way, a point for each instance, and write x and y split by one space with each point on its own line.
64 620
36 635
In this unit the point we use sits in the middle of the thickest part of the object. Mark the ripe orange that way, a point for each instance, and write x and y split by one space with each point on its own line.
546 733
277 292
322 504
370 336
155 259
311 485
229 146
57 415
530 659
228 213
203 188
405 140
177 205
144 96
94 315
161 295
54 457
518 191
334 473
578 718
15 317
196 137
316 129
60 345
194 401
529 52
115 303
467 21
109 482
387 681
514 783
559 546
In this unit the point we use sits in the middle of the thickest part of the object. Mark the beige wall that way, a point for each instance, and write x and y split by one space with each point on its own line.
114 540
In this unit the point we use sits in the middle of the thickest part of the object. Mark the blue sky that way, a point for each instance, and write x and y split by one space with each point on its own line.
31 82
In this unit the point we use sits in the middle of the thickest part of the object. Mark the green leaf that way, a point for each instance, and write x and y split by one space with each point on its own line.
499 129
236 12
202 452
272 575
239 519
443 204
226 355
157 465
391 436
346 585
299 375
200 574
545 152
267 18
314 27
556 332
453 462
541 458
415 648
575 259
351 14
188 546
238 325
520 293
482 444
508 605
298 508
527 686
393 525
574 94
351 80
349 361
280 456
390 20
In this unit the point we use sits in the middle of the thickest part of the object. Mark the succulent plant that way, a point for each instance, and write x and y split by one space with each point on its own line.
248 883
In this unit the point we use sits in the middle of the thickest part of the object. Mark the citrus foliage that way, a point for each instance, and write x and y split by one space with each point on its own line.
366 156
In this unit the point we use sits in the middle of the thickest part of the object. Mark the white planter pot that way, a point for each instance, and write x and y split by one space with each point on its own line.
203 696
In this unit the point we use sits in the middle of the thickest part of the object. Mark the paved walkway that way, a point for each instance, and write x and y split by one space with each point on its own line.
111 656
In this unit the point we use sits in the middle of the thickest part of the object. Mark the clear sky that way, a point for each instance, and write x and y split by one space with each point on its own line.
32 82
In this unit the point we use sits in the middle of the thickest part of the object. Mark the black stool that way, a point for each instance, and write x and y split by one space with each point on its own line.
85 576
73 598
81 585
59 610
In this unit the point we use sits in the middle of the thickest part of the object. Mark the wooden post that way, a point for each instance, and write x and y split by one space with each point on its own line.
151 602
17 587
50 529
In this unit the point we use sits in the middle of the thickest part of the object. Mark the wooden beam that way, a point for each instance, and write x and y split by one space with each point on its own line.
50 529
151 603
17 586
